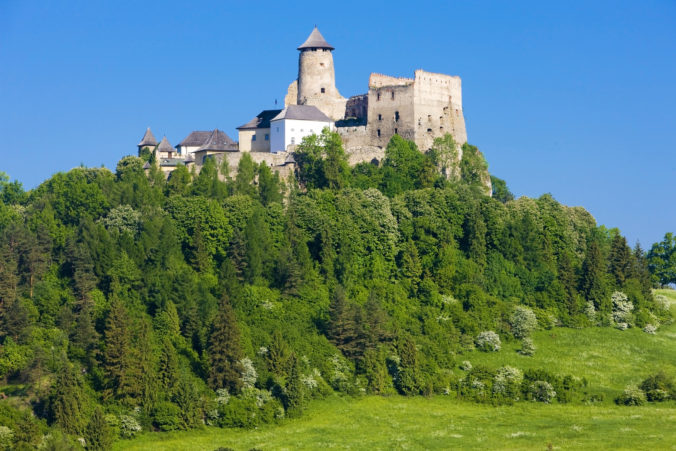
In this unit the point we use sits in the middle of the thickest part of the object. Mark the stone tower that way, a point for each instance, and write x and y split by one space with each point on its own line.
316 84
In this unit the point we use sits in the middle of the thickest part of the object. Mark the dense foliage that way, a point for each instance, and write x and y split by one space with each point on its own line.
128 302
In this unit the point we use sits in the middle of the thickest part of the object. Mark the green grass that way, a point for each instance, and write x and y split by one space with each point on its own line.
610 359
376 423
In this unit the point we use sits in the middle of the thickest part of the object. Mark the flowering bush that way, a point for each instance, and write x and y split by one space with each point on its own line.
527 347
632 396
507 381
523 321
129 426
249 374
650 329
541 391
488 341
466 365
590 311
622 308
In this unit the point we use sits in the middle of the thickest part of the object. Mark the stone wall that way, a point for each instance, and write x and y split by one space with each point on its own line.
357 107
317 83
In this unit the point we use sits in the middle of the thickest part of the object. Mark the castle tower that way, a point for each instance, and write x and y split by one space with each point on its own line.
316 77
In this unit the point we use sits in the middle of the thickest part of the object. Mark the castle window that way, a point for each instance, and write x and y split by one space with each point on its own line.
380 117
396 116
323 90
441 129
378 133
321 64
253 138
378 96
429 130
267 137
396 131
392 95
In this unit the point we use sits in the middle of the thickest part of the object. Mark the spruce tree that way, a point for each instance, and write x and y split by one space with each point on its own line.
67 402
592 281
225 350
294 393
620 260
98 435
117 364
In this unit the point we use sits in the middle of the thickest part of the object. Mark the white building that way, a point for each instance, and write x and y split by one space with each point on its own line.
294 123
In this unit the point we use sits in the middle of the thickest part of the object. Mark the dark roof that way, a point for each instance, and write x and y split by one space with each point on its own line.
315 41
165 146
303 113
260 121
148 139
219 142
195 139
289 159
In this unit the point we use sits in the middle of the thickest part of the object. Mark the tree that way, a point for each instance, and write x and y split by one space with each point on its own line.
620 260
98 436
662 260
269 189
444 153
500 190
246 172
67 402
295 392
321 161
179 180
117 364
592 283
473 167
225 350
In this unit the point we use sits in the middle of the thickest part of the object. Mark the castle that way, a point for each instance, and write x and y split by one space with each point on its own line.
420 109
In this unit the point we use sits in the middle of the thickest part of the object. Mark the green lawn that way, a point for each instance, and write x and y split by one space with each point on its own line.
610 359
439 423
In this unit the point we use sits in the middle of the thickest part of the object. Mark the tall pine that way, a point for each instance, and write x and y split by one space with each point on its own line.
225 350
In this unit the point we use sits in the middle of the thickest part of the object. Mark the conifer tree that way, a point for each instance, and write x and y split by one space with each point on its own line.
98 435
620 260
592 283
167 372
225 350
295 393
117 354
246 172
278 354
67 401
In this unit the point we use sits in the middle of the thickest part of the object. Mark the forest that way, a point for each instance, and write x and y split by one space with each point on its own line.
130 302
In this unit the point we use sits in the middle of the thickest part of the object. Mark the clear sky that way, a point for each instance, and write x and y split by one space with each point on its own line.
574 98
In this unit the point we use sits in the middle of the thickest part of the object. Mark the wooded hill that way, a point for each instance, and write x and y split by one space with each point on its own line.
131 303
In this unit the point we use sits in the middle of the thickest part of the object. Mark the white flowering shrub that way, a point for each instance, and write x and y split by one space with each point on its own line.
523 321
631 396
507 381
542 391
650 329
263 350
590 311
466 365
662 302
527 347
341 373
222 396
249 374
622 308
129 426
311 380
488 341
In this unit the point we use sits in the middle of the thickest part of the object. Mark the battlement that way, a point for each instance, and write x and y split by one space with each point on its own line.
377 80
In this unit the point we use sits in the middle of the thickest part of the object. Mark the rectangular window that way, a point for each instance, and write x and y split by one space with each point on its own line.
396 132
253 138
267 137
392 95
323 90
380 117
378 133
396 116
378 96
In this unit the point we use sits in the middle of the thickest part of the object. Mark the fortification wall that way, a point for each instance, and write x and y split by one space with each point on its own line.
390 111
437 104
291 94
364 154
357 107
377 80
276 161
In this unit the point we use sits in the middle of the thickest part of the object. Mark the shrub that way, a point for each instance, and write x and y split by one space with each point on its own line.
527 347
658 387
632 396
507 381
166 416
541 391
466 365
6 437
523 321
249 374
488 341
129 426
650 329
622 308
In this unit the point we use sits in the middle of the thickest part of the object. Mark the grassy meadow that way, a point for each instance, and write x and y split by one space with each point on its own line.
609 358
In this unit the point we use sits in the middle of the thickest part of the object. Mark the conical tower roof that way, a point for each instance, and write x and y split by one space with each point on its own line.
148 139
165 146
219 142
315 41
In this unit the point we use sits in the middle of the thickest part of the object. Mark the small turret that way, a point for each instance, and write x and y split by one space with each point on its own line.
148 141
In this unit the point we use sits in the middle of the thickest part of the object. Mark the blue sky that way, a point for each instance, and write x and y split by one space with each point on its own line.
575 98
